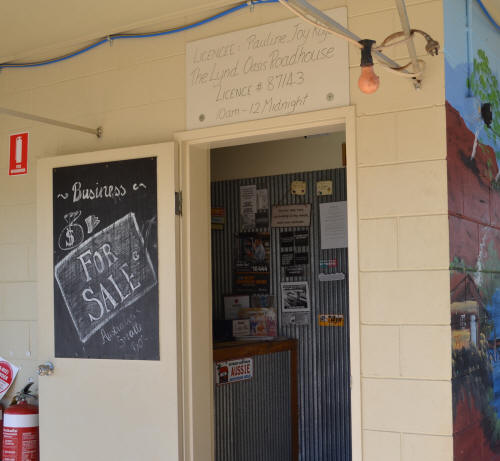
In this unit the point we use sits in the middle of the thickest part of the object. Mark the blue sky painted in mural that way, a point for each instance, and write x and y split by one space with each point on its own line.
467 29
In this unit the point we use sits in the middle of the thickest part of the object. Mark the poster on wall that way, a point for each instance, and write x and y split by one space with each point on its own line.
106 260
295 296
248 206
293 258
252 269
254 208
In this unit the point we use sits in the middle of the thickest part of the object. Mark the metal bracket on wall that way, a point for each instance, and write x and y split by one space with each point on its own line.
308 9
405 25
71 126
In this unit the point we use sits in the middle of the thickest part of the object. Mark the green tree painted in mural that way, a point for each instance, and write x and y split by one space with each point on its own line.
484 85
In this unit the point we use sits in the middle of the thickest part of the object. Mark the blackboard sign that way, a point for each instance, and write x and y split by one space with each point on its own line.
106 260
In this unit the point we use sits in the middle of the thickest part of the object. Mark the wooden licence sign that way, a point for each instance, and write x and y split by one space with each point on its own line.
282 68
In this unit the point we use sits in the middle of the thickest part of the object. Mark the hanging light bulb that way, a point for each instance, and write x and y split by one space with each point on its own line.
368 81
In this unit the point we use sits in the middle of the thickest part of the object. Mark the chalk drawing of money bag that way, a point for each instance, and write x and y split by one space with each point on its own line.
72 234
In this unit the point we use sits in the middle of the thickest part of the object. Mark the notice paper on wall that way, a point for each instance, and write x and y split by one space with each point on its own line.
248 206
262 199
291 215
333 218
8 373
262 215
295 318
295 296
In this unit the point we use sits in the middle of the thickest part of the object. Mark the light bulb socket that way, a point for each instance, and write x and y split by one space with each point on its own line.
366 52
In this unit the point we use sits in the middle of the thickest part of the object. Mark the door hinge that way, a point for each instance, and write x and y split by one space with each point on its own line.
178 203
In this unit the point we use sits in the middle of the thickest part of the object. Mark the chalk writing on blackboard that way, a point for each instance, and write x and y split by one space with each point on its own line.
105 274
72 234
106 260
92 222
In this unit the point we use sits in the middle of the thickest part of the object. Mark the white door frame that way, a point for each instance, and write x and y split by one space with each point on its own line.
196 285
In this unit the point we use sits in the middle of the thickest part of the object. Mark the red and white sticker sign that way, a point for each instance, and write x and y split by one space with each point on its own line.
18 154
8 373
232 371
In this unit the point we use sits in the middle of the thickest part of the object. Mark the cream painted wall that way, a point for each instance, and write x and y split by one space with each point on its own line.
135 90
277 157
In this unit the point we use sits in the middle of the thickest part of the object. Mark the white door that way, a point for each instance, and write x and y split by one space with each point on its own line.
108 305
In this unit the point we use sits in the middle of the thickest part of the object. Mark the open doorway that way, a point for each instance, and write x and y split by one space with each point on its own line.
280 300
196 353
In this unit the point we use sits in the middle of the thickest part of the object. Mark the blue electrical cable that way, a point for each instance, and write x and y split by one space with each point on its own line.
488 15
54 60
113 37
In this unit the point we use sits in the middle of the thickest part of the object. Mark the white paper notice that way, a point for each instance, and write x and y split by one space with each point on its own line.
331 277
248 206
262 200
333 217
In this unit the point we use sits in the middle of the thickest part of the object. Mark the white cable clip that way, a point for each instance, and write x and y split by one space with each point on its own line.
110 40
251 4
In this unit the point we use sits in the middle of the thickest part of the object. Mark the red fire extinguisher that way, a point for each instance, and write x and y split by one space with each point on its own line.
20 429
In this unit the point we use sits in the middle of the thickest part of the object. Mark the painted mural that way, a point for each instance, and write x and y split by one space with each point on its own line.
472 54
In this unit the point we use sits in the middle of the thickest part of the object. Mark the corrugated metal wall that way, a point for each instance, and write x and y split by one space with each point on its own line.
252 418
324 391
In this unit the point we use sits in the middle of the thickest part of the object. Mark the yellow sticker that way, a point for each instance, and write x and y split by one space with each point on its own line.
331 320
299 188
324 188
